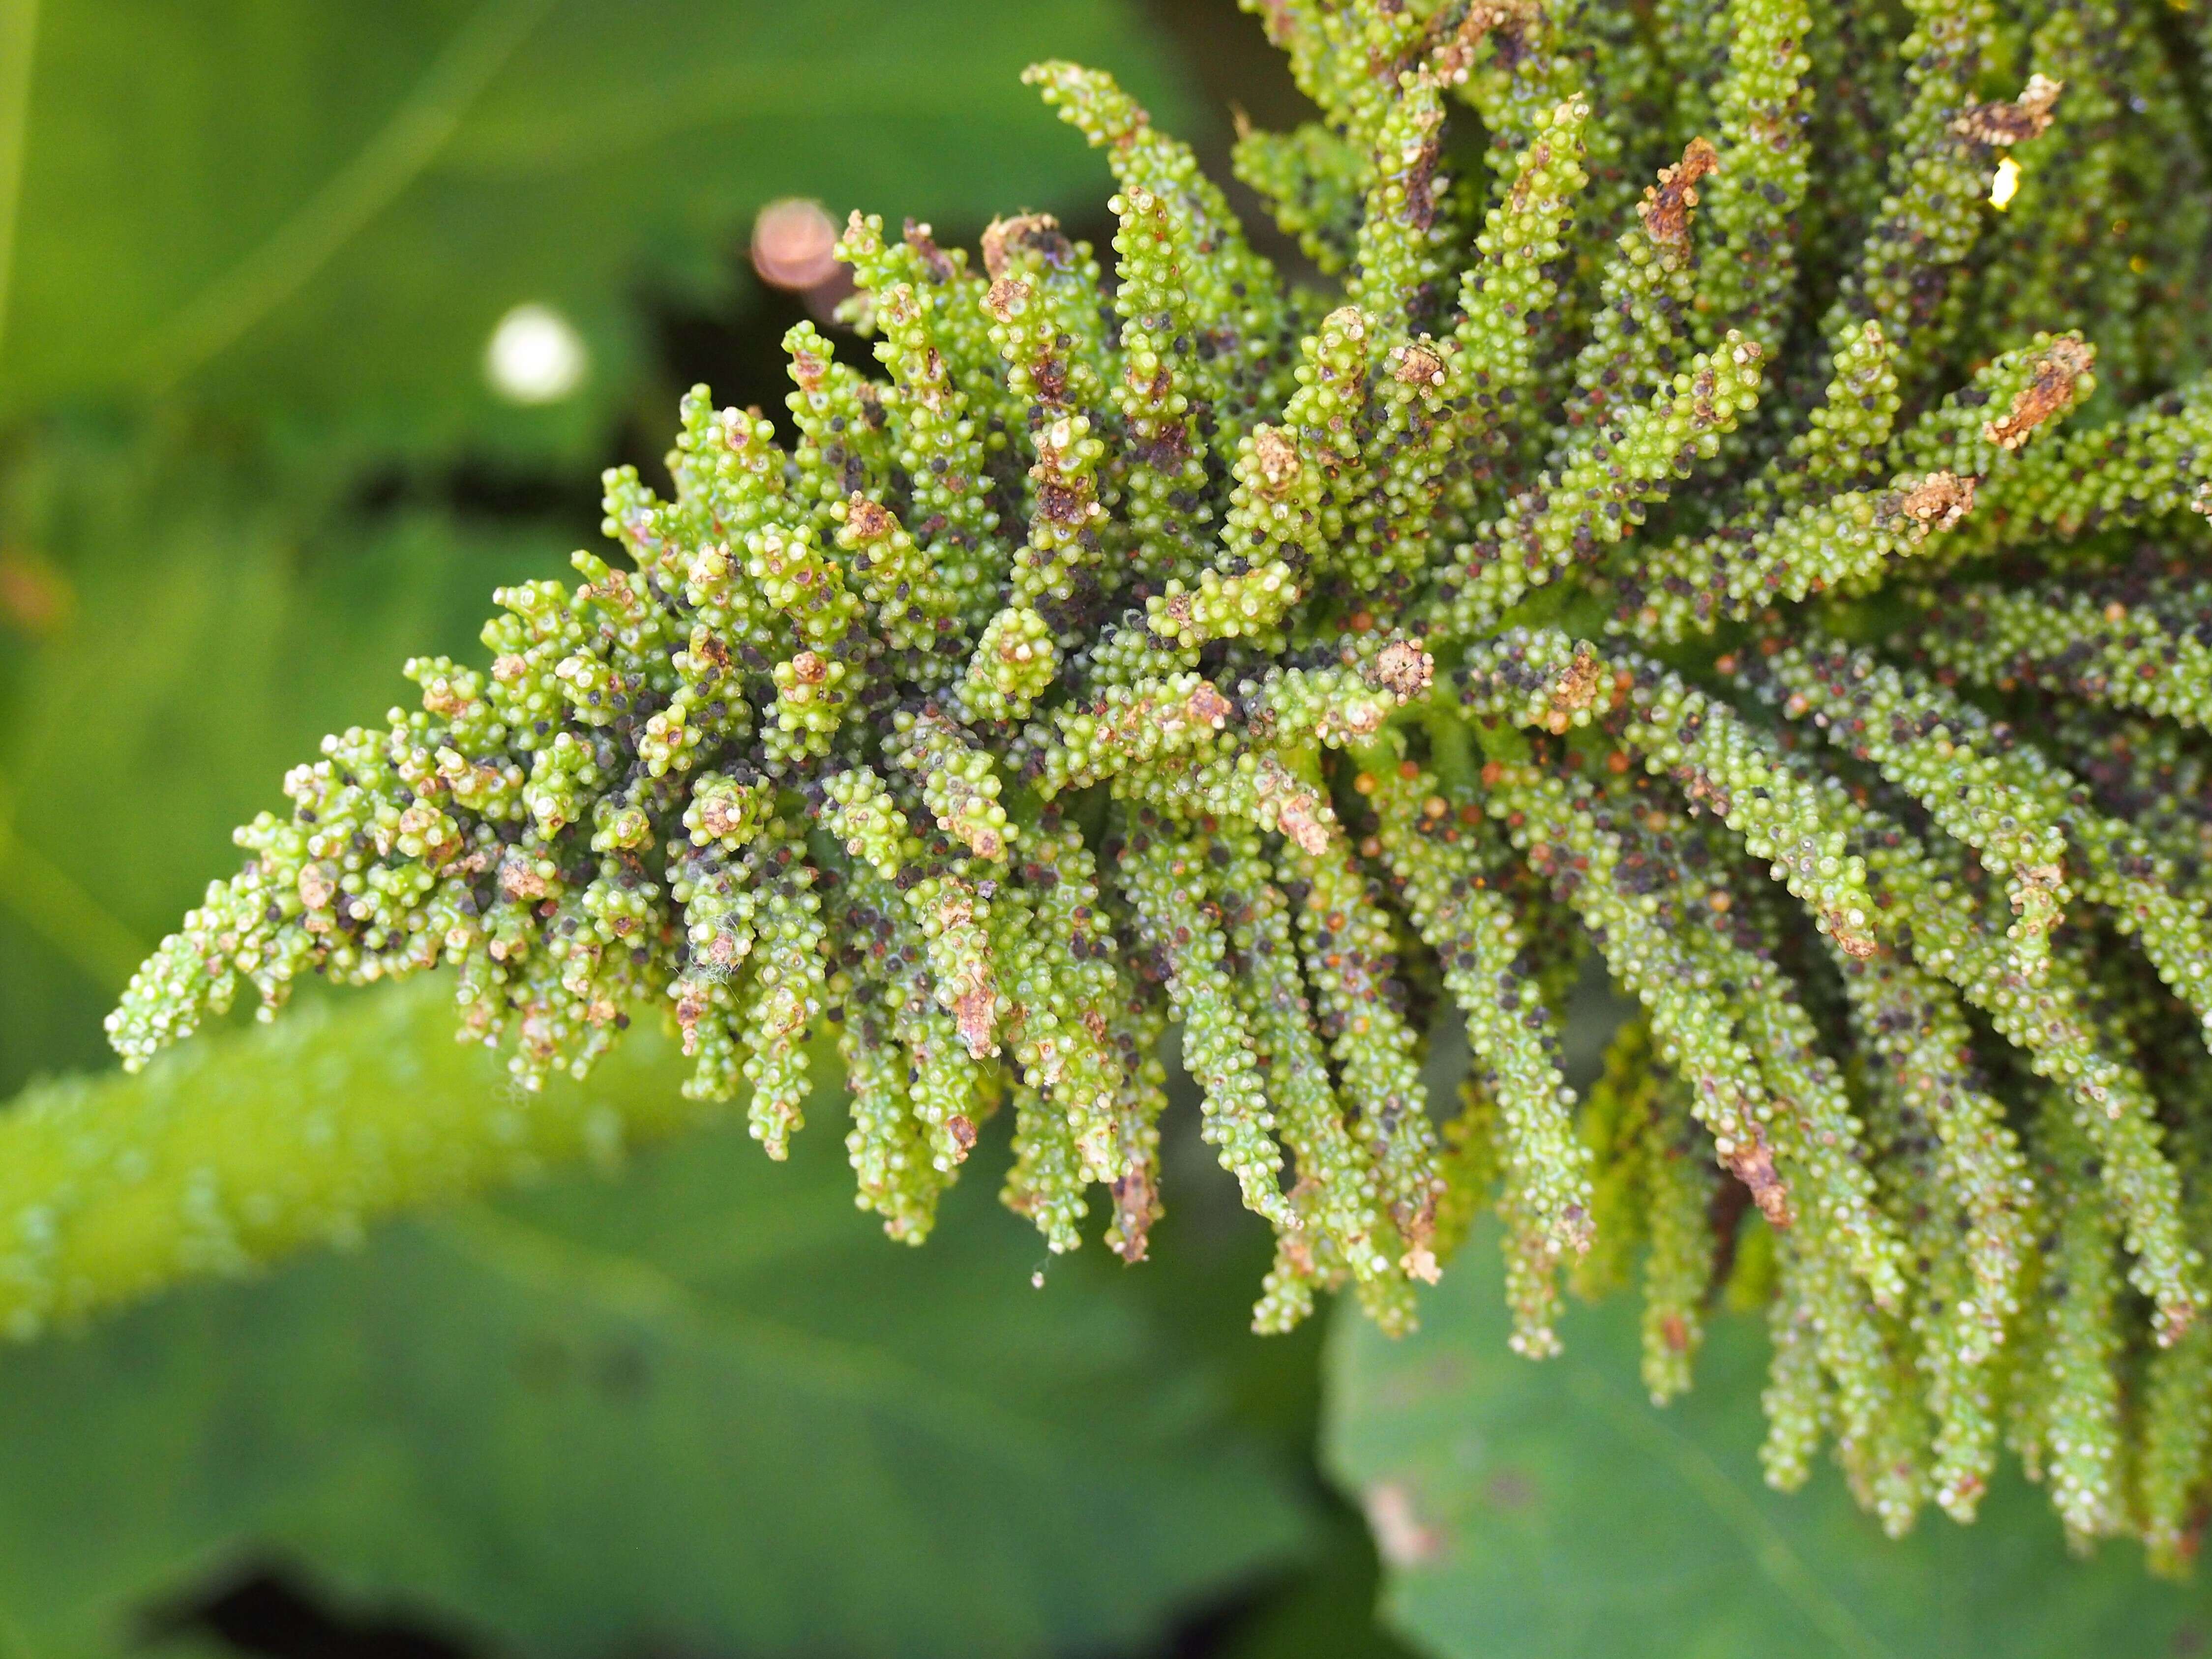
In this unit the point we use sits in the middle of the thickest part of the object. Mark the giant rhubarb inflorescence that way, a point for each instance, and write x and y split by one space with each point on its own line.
1752 473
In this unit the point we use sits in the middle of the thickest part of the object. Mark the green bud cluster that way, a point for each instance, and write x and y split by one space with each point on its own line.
1721 538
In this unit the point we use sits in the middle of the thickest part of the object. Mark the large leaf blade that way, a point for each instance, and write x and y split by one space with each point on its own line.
1535 1510
705 1404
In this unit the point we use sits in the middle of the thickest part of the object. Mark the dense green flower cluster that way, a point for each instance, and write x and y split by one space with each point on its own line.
1753 471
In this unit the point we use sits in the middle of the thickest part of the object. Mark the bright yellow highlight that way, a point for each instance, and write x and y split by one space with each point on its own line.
2006 185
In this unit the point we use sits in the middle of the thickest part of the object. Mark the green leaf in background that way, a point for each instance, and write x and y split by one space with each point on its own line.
705 1407
215 626
1535 1511
311 216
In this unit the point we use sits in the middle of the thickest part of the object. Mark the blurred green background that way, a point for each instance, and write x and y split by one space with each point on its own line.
255 449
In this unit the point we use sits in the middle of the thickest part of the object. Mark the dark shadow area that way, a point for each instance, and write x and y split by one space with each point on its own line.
268 1611
483 489
273 1616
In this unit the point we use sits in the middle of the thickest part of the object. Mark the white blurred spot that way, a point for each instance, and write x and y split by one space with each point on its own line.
1402 1537
536 356
794 244
2006 185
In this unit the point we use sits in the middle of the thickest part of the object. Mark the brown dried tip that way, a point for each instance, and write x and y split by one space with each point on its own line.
1207 707
1176 611
963 1133
1998 125
1666 205
1539 157
2170 1324
1037 231
1696 783
1853 943
692 1006
1578 688
1302 823
1277 457
869 520
934 259
1361 720
1940 500
1292 1250
2058 374
1403 667
1578 1229
972 1012
1058 502
1136 1206
711 648
519 879
809 368
716 818
2037 879
1420 1263
440 698
1420 172
318 885
1004 294
1753 1165
1418 366
1508 19
1299 812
